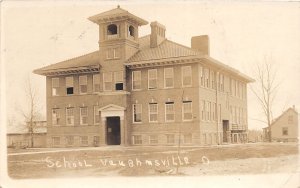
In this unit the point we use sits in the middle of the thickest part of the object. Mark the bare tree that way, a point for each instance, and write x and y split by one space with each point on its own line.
265 90
31 112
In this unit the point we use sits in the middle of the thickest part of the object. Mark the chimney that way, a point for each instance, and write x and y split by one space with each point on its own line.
157 34
201 43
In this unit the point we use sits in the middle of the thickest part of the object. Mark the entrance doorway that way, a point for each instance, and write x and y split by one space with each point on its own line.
113 130
225 129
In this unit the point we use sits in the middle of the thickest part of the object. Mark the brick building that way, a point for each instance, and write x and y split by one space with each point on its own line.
143 91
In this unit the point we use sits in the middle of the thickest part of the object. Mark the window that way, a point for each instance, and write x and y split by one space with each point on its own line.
70 116
187 110
152 79
84 140
137 139
69 140
212 79
213 113
206 74
118 80
96 82
96 115
208 111
136 80
285 131
55 116
112 53
83 116
186 76
170 139
107 81
83 84
55 141
169 111
236 88
201 76
153 139
203 110
232 87
131 31
169 77
96 140
55 86
112 31
137 113
187 138
221 77
290 119
153 112
69 85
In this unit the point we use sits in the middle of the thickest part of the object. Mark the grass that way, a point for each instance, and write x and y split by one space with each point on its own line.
236 156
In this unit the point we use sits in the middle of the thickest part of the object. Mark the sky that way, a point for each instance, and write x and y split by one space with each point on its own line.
242 35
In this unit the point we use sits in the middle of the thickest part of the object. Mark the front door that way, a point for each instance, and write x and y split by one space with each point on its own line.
113 130
225 129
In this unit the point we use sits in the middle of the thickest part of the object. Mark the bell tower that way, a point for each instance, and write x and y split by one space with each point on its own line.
118 34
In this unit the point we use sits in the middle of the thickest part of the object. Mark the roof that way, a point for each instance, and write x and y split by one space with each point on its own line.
117 13
285 112
167 49
90 60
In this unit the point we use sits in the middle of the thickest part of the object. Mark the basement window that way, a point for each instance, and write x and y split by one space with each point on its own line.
69 85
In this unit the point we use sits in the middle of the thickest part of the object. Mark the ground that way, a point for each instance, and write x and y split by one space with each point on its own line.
257 158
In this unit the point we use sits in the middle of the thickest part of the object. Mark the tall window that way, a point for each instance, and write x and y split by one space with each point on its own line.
213 109
69 140
170 139
153 139
70 116
212 79
152 79
203 110
55 86
206 74
285 131
187 110
137 113
118 80
137 139
187 138
69 85
83 84
83 116
107 81
96 82
84 140
169 77
96 115
201 76
208 111
136 80
55 141
169 111
186 73
153 112
221 77
55 116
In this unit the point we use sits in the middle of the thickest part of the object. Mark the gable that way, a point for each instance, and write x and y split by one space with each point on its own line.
111 107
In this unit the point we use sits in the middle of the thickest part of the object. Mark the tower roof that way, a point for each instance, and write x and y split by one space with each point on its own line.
115 15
